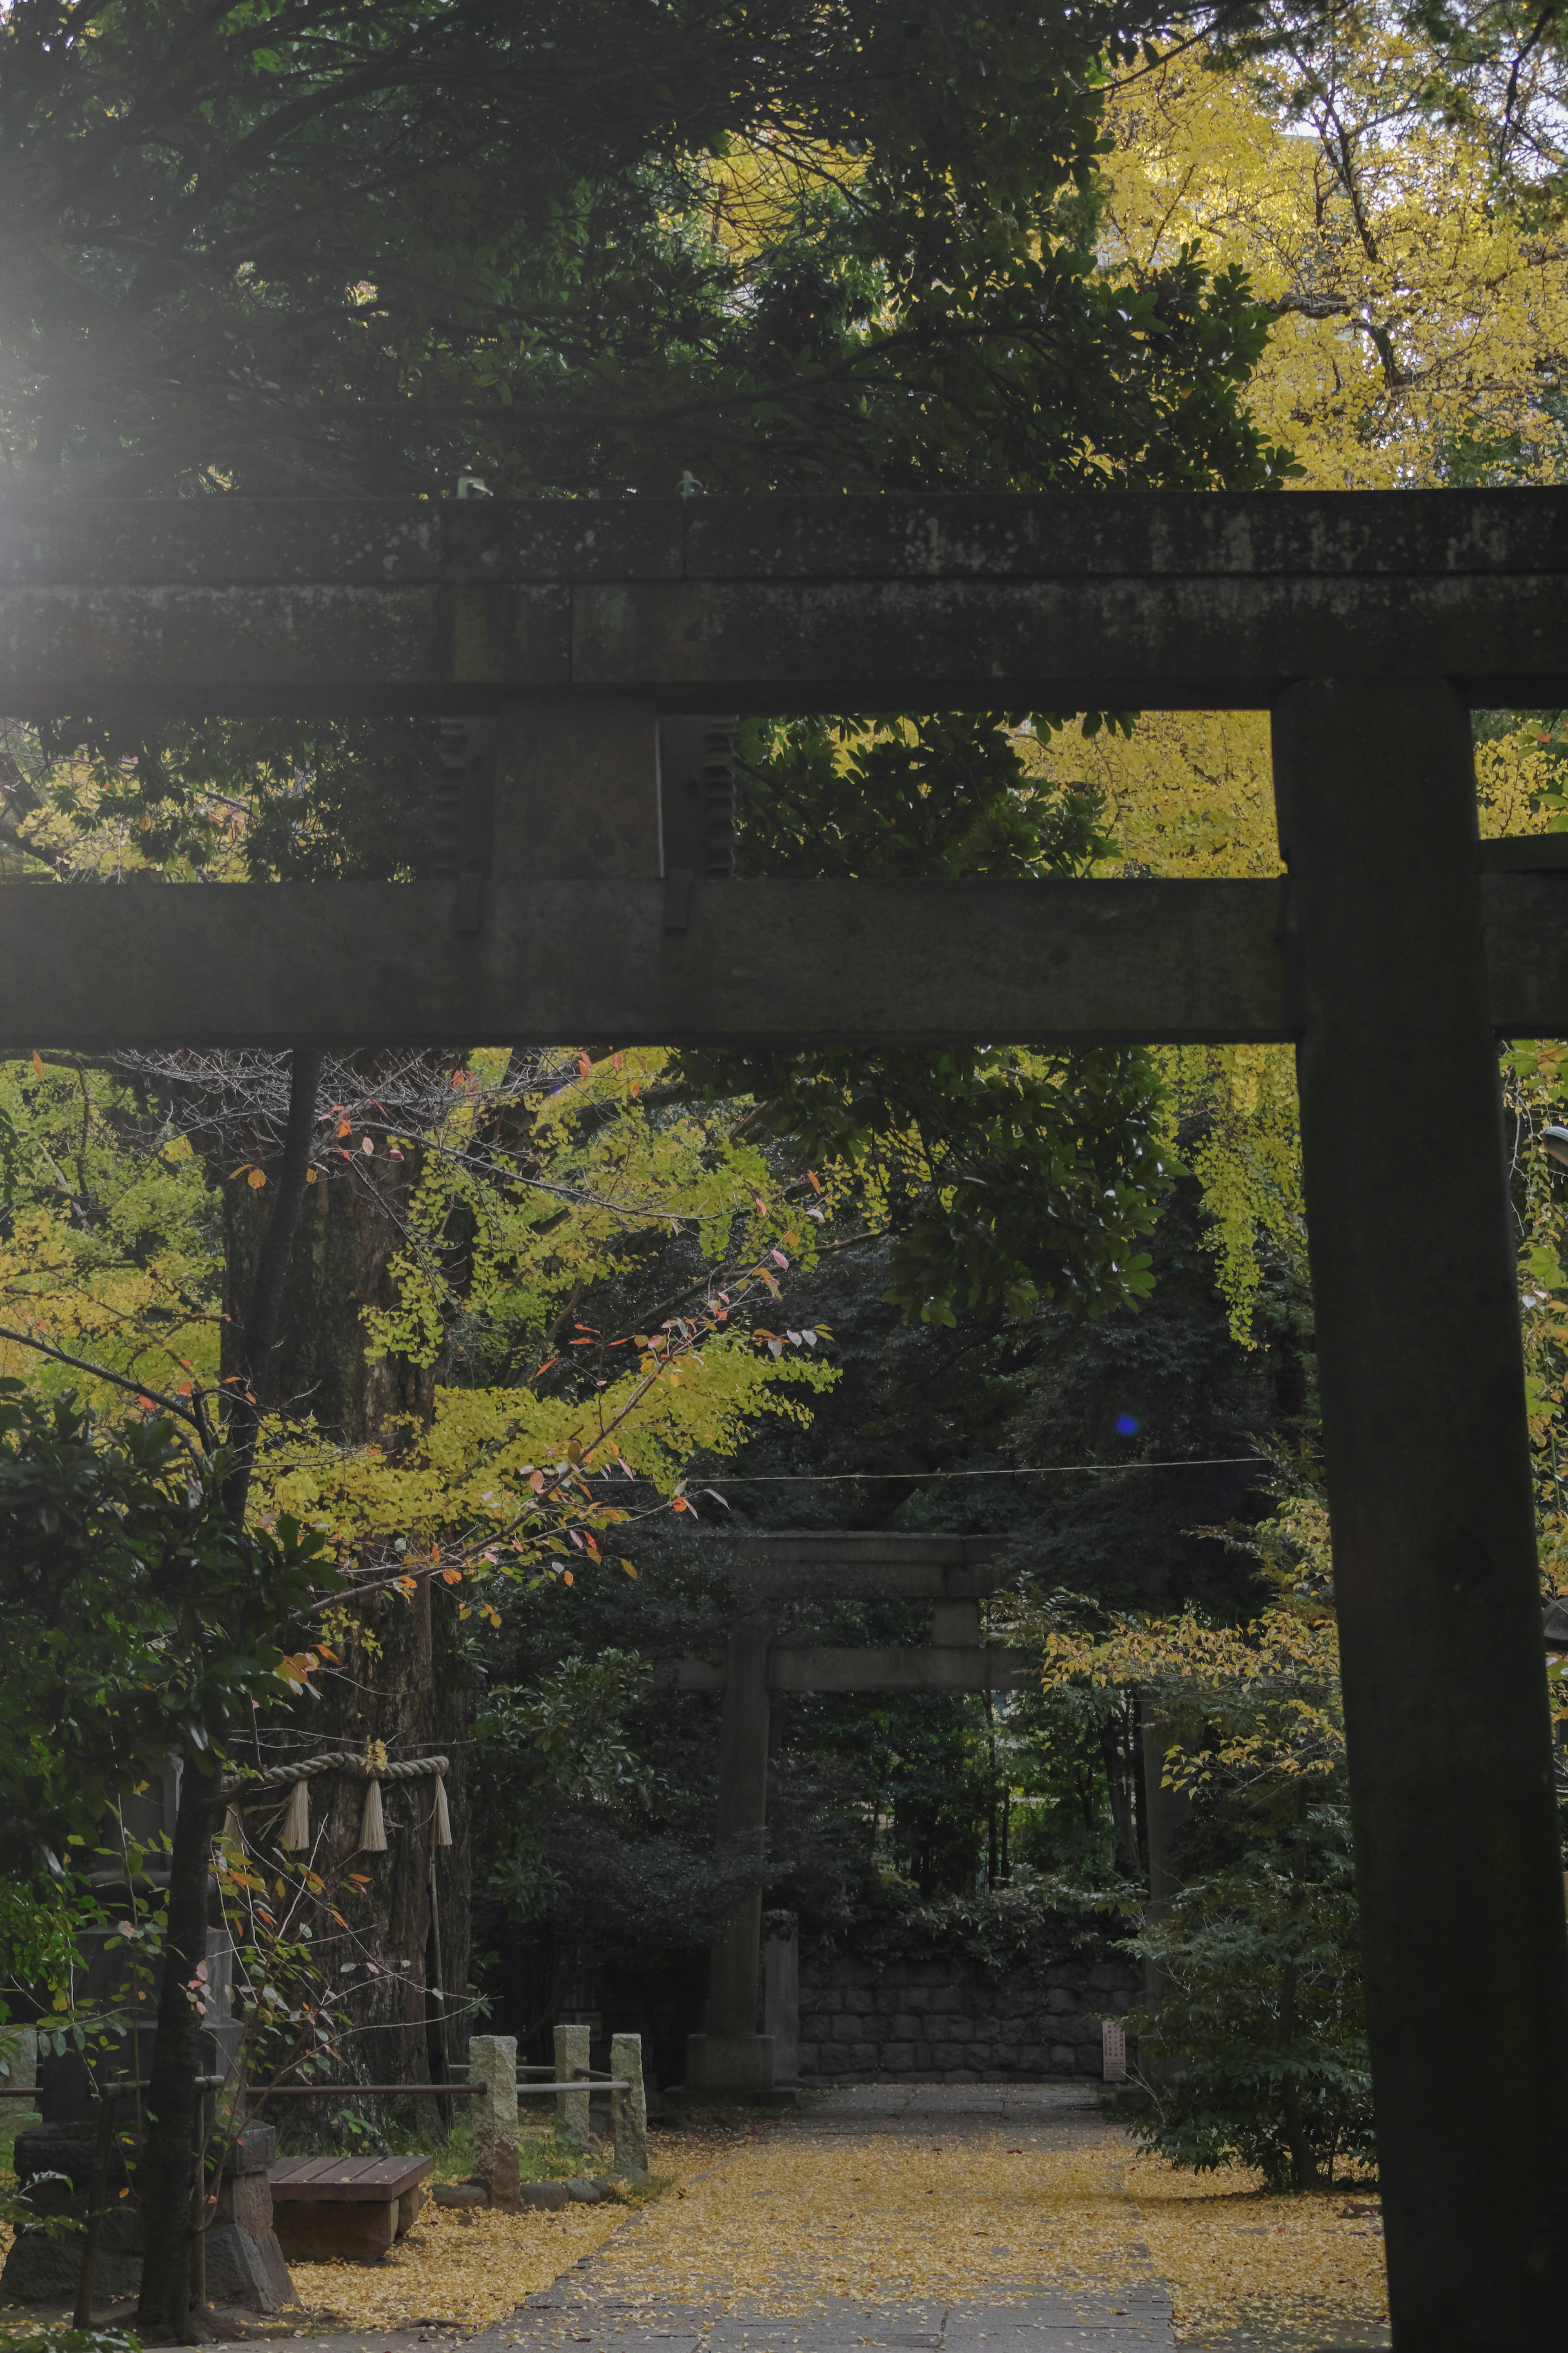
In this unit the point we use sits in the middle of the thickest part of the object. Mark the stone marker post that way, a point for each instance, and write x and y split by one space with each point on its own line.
492 2062
781 1994
572 2107
629 2109
244 2260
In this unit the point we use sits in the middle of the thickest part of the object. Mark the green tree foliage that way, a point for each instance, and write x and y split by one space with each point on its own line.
1003 1175
813 242
1254 2051
1260 2009
134 1618
813 246
107 1240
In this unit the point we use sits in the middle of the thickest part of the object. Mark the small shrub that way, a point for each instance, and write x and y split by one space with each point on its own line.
1263 2047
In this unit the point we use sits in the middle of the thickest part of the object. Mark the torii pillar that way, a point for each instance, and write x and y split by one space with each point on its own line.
731 2057
1431 1498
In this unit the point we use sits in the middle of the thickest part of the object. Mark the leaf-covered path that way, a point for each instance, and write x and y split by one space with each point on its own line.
959 2218
933 2219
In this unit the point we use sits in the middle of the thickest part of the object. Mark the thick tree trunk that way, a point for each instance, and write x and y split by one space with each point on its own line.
400 1678
168 2160
258 1332
167 2169
343 1248
402 1682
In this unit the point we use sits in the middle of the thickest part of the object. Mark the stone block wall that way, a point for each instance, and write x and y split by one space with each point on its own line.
874 2020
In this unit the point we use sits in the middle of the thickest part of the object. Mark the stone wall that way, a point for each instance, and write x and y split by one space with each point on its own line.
957 2022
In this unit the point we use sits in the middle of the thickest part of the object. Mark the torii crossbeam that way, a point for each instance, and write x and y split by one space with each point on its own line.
1368 626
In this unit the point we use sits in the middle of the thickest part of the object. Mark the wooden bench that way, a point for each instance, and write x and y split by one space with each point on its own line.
333 2209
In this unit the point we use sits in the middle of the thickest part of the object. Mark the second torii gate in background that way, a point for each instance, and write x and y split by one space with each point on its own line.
954 1574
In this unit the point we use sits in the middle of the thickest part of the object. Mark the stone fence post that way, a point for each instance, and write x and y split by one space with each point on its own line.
572 2107
492 2062
629 2109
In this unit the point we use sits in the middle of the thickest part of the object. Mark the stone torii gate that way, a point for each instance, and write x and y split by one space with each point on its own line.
1393 954
954 1575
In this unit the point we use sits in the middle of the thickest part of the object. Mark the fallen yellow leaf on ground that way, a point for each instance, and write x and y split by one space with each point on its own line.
787 2220
1230 2254
883 2223
469 2267
464 2268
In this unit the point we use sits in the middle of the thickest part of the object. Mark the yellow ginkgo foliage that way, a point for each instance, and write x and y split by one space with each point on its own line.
110 1285
1419 318
1420 329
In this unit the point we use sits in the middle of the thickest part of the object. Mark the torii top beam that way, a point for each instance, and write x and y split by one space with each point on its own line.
579 621
1064 600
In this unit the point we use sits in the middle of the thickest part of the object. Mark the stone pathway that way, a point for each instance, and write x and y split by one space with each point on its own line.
585 2309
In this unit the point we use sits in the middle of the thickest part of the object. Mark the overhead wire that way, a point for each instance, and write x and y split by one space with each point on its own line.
1019 1471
